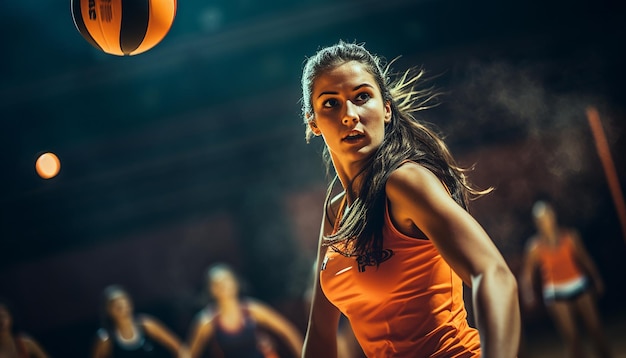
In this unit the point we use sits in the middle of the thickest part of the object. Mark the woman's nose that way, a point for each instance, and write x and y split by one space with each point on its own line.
350 117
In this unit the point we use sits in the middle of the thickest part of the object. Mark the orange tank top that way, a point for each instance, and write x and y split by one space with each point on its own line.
411 305
557 263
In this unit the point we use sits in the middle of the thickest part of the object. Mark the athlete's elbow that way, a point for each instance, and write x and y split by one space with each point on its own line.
496 278
505 280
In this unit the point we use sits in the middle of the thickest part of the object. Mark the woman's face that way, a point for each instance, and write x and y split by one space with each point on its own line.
349 112
5 319
545 220
119 307
223 284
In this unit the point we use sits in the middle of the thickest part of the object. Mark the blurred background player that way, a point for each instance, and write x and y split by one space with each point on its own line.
569 280
124 334
12 343
233 322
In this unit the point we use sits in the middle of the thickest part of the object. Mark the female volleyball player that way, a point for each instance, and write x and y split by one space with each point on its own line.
124 334
397 243
569 280
12 343
234 322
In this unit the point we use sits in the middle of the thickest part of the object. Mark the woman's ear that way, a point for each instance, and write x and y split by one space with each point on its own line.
314 128
387 112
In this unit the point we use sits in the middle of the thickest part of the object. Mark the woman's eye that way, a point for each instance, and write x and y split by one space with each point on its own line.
362 97
329 103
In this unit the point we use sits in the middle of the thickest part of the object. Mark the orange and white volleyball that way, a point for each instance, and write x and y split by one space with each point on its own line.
123 27
48 165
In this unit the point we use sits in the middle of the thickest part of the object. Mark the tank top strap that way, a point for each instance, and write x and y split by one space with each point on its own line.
245 308
140 327
565 236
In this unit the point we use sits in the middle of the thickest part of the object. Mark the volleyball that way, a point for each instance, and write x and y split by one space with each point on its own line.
123 27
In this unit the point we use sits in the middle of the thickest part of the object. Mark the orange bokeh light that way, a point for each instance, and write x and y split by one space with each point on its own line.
48 165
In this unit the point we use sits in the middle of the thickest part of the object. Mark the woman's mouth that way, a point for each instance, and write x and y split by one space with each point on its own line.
353 136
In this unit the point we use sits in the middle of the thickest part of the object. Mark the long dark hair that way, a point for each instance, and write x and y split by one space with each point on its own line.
406 138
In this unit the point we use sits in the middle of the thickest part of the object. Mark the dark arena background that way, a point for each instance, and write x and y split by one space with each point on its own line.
194 152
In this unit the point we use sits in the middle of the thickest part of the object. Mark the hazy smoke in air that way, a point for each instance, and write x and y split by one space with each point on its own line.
498 101
529 122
